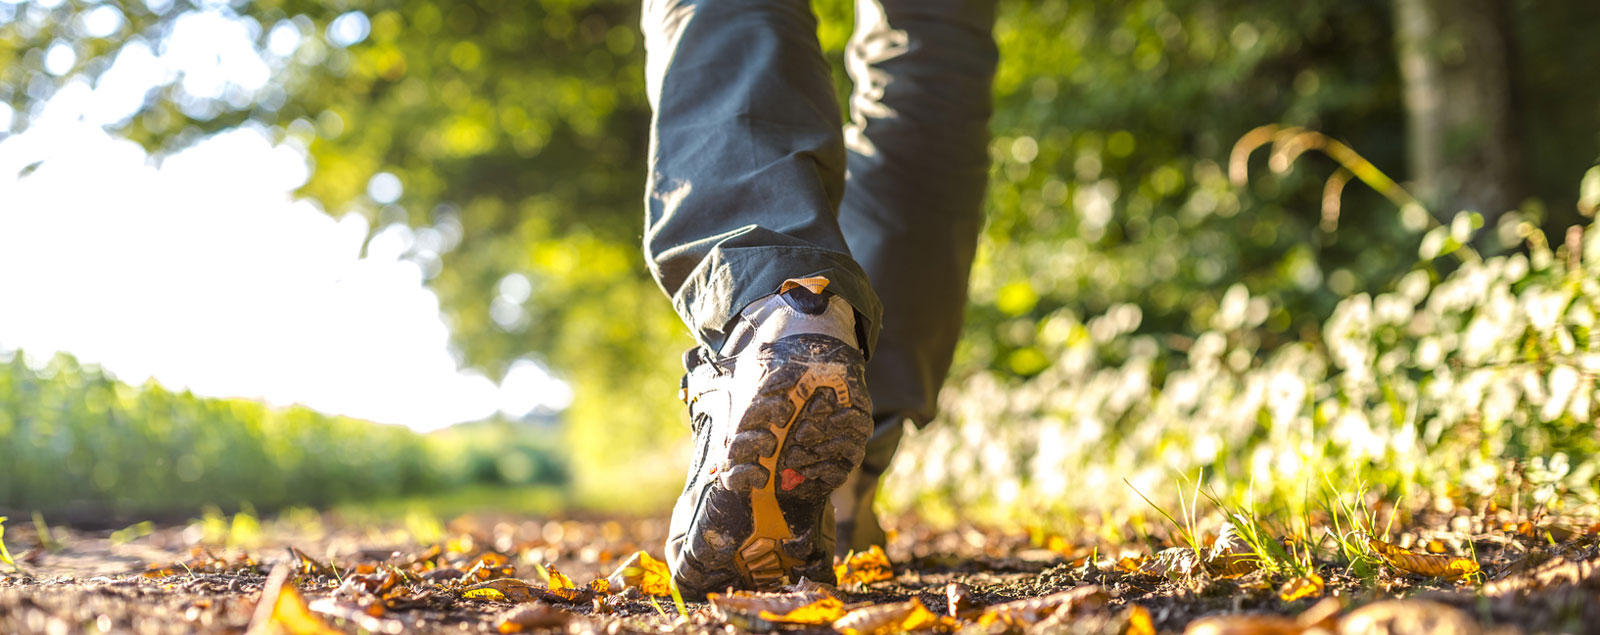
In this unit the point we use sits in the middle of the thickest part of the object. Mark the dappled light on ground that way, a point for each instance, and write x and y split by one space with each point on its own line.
314 573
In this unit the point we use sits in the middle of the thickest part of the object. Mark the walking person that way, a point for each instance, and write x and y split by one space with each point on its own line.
812 260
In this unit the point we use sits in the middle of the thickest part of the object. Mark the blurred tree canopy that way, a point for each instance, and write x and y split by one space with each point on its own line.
517 132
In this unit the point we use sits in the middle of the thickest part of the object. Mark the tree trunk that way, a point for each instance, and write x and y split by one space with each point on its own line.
1462 146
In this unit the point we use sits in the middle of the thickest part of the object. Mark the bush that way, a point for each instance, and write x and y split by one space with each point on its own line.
74 440
1440 387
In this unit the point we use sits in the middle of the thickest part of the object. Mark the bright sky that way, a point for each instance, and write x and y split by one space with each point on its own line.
202 270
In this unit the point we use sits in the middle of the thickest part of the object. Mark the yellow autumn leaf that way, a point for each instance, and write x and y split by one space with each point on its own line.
1131 565
484 594
1310 586
281 611
601 586
823 611
648 574
1030 611
865 567
1439 566
883 619
1139 622
507 589
559 580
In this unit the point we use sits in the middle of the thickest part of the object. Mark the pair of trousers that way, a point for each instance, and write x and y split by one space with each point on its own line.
754 179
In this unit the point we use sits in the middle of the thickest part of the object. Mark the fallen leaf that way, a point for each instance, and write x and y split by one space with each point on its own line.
307 565
369 618
643 572
1173 562
958 599
1131 565
1025 613
1439 566
490 566
1322 615
883 619
532 616
758 611
1244 625
1408 616
1139 622
822 611
280 611
563 586
865 567
1435 546
512 590
1230 555
1309 586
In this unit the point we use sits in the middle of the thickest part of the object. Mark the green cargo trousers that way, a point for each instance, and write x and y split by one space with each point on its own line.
753 178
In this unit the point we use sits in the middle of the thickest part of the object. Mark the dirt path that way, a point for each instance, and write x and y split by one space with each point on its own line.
211 578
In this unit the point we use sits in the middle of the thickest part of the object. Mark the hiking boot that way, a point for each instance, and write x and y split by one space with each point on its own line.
781 418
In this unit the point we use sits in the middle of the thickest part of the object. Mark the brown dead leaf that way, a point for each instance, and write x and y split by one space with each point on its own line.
280 611
306 565
865 567
532 616
1026 612
1552 572
1404 617
1439 566
1174 562
490 566
513 590
1230 555
1244 625
883 619
1310 586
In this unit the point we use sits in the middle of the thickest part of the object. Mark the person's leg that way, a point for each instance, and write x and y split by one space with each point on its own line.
746 165
746 174
918 166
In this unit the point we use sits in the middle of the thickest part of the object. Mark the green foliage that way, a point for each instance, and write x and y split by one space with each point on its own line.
1436 388
77 441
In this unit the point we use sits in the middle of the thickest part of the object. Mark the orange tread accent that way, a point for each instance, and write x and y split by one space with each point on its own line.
760 557
814 285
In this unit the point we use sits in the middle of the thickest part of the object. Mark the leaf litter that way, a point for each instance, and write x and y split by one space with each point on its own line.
516 576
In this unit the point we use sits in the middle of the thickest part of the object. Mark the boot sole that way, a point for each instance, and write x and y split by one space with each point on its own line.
763 522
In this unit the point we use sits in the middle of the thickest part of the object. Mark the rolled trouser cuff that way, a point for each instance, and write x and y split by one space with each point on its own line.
730 278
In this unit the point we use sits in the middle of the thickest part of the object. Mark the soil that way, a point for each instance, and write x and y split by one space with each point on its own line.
1536 577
